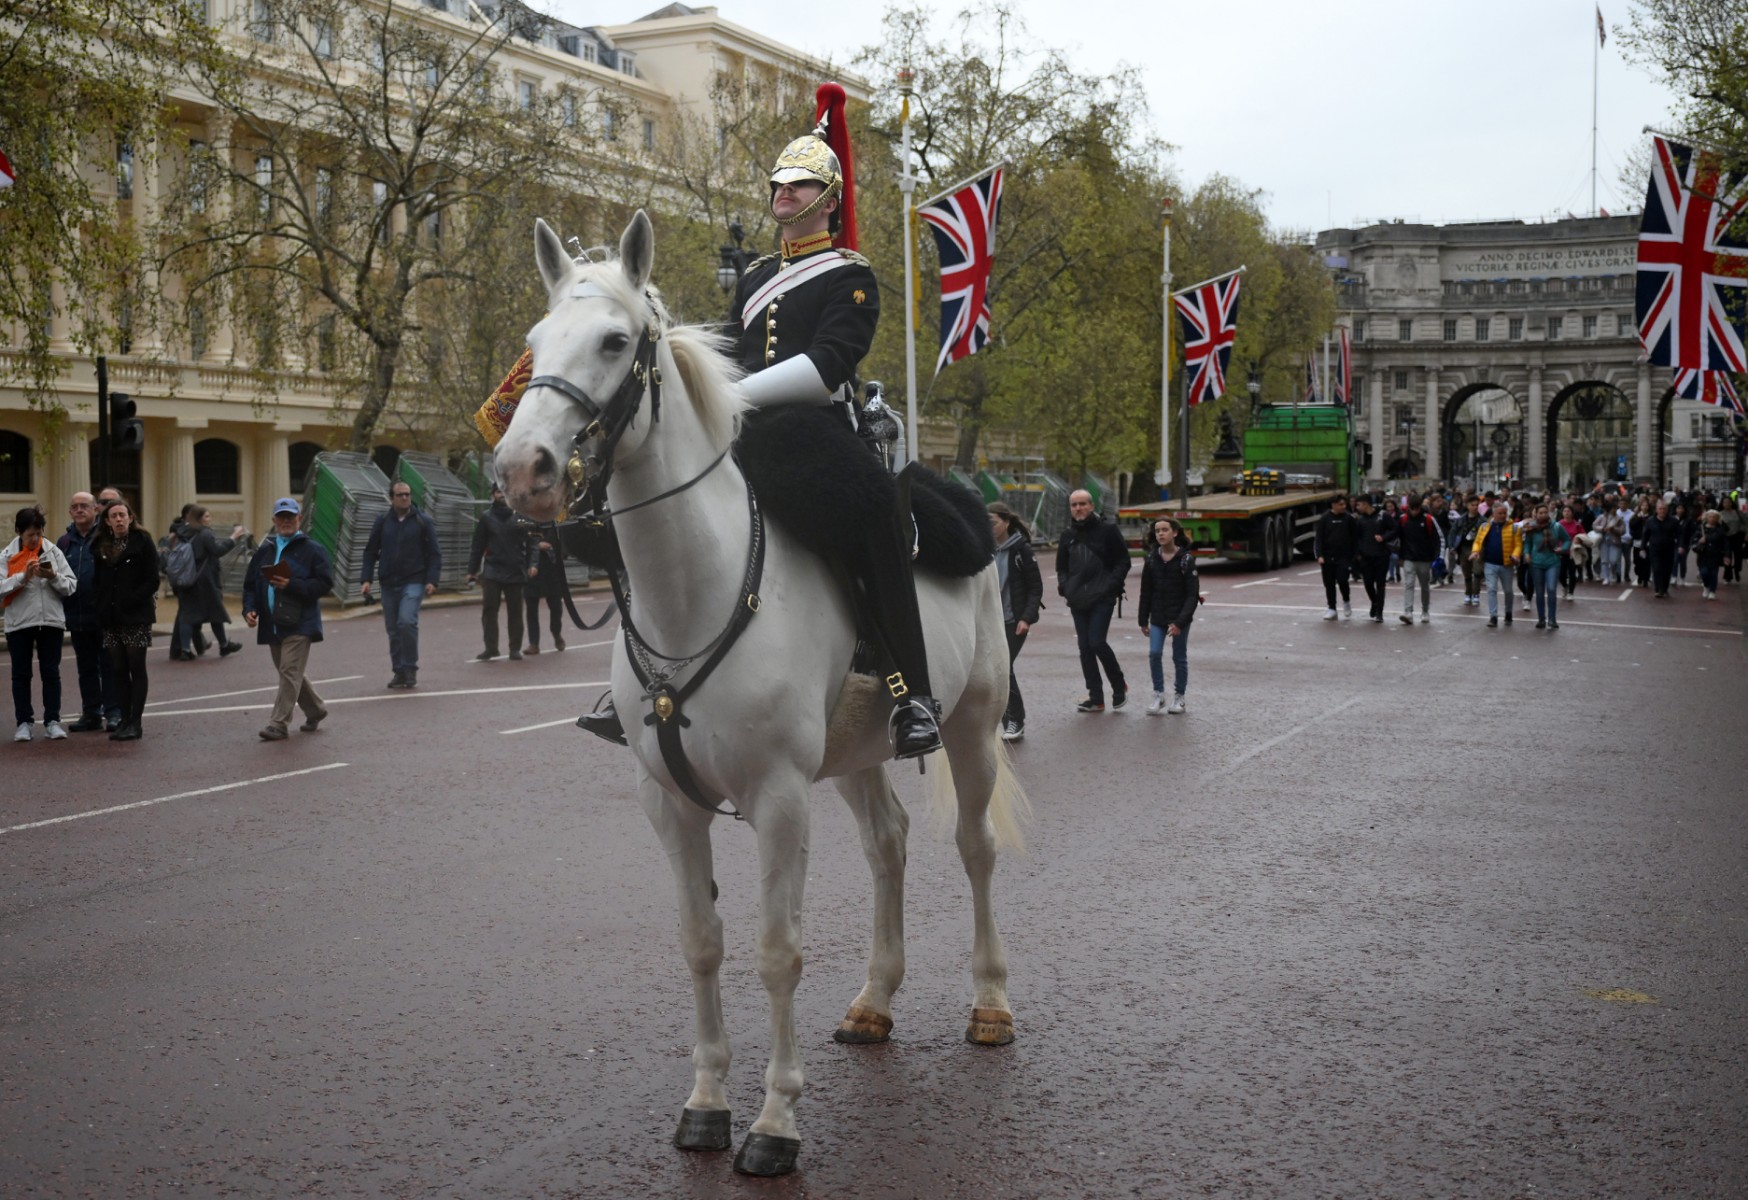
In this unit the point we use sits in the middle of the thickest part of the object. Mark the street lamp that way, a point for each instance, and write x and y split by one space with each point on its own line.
1407 423
1254 387
732 261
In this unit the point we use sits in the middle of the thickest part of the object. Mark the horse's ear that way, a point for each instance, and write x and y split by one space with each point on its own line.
555 265
637 251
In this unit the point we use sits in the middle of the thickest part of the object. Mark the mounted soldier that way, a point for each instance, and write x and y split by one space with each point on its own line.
801 321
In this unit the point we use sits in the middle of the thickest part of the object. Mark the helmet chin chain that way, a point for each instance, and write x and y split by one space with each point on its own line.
819 202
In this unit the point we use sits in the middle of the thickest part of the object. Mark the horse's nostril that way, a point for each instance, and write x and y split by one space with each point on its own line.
544 464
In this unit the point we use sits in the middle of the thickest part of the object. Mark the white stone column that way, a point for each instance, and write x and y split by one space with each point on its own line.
1535 426
272 475
1376 427
1434 463
221 338
1644 461
148 337
175 475
71 470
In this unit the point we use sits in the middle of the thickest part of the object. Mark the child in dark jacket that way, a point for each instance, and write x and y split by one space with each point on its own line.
1170 594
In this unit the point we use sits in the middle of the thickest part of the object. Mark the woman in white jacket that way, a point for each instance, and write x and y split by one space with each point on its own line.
37 576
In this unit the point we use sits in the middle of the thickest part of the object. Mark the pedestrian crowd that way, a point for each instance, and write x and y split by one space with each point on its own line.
1540 546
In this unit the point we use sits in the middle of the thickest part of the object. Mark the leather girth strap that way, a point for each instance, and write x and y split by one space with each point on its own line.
667 702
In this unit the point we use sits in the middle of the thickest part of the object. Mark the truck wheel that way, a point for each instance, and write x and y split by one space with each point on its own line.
1271 544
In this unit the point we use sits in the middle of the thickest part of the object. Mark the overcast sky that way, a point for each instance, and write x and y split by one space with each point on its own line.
1343 111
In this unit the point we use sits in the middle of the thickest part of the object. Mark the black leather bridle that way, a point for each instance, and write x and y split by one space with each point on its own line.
589 473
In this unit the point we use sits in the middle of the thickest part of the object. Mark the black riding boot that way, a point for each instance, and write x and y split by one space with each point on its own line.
891 590
604 723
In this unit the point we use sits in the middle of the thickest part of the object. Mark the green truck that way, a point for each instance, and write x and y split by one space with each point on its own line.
1297 458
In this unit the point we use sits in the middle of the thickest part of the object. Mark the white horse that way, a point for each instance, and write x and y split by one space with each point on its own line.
783 709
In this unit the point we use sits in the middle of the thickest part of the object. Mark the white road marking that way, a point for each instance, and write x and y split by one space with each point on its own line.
1279 738
1256 582
542 725
412 695
223 787
247 691
1624 594
1312 571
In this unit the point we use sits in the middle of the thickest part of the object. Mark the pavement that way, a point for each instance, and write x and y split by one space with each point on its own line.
1391 911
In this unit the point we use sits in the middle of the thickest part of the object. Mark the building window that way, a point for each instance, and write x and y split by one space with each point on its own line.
261 20
439 5
324 197
1450 330
571 44
1405 330
434 227
1515 329
324 39
627 63
1535 287
1483 328
648 134
1590 326
197 336
609 126
1402 381
124 171
525 93
1517 287
1554 329
327 343
264 184
567 105
301 458
1623 324
591 53
218 468
1359 329
384 218
14 462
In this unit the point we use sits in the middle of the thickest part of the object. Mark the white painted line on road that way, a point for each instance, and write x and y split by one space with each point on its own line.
247 691
1481 616
223 787
413 695
1312 571
542 725
1279 738
1256 582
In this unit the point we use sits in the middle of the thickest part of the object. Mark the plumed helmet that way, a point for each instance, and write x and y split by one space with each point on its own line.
823 157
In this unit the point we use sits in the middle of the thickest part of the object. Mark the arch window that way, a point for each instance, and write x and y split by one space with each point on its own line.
14 462
302 456
218 468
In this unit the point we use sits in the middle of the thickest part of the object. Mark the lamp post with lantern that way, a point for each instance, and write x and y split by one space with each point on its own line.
732 261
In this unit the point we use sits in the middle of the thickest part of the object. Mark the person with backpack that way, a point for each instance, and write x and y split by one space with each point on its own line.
1170 595
1420 542
192 567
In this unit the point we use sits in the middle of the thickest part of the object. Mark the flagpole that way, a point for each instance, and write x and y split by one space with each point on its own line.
995 166
907 189
1163 476
1324 398
1595 53
1223 275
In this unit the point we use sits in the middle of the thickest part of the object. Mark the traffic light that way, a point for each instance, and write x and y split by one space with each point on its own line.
127 432
1366 456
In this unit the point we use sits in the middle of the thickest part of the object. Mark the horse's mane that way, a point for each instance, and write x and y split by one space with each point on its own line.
700 355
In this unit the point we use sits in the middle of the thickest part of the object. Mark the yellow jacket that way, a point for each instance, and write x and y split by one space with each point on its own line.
1510 543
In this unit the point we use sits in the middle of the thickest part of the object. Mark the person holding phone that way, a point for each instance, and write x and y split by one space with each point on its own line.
282 595
37 576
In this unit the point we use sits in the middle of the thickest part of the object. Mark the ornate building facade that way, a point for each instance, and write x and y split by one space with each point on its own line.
1505 348
212 435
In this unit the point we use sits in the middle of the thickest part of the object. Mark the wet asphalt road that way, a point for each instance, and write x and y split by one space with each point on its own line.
1429 911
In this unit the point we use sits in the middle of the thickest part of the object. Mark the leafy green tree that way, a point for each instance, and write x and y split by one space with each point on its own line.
85 83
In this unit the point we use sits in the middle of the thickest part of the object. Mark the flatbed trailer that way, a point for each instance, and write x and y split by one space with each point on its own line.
1265 530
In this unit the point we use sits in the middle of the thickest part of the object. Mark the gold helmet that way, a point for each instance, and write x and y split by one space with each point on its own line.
808 158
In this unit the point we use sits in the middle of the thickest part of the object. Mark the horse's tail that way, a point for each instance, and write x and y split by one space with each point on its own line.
1010 810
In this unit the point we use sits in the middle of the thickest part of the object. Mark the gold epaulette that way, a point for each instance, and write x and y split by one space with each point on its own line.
855 258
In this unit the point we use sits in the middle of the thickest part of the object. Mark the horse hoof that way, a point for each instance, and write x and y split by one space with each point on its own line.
767 1154
703 1129
990 1027
863 1027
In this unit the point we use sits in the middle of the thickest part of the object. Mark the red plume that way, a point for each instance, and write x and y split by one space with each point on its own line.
830 112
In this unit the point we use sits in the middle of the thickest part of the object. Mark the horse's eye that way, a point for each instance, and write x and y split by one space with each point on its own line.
613 343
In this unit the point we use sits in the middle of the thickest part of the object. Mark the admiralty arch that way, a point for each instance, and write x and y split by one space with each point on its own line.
1499 348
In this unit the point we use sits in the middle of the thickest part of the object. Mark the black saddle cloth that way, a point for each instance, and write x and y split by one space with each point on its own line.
817 479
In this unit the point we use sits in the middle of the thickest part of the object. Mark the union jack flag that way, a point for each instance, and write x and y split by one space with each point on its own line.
1310 396
1208 316
1692 301
964 227
1708 387
1343 385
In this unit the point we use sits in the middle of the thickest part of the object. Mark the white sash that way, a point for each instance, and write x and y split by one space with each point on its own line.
785 279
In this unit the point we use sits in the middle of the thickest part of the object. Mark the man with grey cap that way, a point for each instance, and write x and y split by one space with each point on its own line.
282 594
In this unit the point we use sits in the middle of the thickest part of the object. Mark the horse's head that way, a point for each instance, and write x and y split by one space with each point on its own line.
592 357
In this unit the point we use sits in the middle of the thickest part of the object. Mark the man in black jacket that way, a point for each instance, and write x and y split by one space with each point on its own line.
1092 560
1662 534
500 558
403 542
1333 544
1419 541
1376 538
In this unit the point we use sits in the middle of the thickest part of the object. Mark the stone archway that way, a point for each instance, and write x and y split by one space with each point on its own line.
1484 436
1590 436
